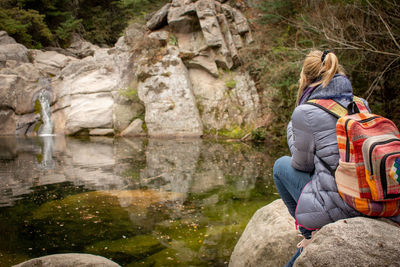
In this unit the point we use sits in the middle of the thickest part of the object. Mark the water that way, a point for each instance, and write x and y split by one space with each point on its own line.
146 202
45 112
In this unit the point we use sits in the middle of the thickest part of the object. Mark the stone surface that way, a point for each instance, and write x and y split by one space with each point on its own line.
101 132
5 39
159 19
161 36
124 113
223 107
134 129
353 242
89 111
81 48
269 239
68 259
50 62
16 52
166 91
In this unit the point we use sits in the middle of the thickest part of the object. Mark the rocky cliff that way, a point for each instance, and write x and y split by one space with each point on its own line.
270 239
176 76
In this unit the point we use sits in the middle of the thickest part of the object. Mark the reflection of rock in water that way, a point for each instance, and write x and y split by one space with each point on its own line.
170 164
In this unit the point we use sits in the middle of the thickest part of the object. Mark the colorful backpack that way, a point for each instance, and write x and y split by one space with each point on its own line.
369 167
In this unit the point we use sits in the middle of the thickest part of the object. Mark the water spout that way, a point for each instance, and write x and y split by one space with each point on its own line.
45 100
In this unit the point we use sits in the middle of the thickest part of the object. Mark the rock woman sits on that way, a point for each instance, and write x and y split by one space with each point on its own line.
304 180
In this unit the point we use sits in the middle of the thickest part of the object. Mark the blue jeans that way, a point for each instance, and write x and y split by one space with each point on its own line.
289 183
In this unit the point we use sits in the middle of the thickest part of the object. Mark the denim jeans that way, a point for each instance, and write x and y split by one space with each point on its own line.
290 183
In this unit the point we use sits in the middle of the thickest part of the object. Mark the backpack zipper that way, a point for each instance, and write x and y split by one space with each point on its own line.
347 134
383 175
378 144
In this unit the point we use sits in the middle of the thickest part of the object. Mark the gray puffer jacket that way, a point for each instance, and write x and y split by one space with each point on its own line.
311 137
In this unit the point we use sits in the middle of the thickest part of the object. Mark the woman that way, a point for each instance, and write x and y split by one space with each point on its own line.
303 181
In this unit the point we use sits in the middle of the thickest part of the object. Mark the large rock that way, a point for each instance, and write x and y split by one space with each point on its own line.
16 52
159 19
227 101
269 239
353 242
166 91
89 111
68 259
5 39
50 62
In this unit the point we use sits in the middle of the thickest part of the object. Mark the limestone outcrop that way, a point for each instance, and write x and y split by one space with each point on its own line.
179 78
270 240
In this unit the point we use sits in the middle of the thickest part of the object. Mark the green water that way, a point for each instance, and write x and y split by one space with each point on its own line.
138 202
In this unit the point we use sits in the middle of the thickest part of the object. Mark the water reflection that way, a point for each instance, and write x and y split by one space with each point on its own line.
182 202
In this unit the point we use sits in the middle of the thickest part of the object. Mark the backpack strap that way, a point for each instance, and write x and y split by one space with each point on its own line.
331 106
359 102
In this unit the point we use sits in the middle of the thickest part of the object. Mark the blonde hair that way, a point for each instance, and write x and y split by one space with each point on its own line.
316 69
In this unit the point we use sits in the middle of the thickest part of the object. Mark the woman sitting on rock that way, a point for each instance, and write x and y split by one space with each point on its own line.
311 136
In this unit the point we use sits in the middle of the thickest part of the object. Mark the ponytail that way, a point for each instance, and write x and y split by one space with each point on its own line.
318 69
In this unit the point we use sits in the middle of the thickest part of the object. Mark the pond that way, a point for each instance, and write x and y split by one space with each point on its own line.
138 202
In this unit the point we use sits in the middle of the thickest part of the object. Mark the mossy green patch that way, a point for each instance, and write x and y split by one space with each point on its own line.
126 250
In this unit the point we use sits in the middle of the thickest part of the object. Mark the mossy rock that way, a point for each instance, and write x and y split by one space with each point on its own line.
126 250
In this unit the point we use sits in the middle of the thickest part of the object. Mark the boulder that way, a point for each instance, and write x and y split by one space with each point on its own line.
16 52
269 239
80 47
166 90
161 36
50 62
353 242
68 259
159 19
5 39
134 129
89 111
134 33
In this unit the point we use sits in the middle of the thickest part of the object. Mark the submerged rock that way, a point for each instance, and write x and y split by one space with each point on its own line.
68 259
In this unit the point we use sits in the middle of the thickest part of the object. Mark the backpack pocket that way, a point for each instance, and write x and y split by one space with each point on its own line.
380 154
346 179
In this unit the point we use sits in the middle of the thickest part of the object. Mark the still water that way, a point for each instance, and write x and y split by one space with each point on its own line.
138 202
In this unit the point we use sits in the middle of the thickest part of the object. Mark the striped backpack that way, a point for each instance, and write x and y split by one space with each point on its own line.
368 175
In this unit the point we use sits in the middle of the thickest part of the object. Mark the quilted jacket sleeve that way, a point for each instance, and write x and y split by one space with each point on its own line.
301 139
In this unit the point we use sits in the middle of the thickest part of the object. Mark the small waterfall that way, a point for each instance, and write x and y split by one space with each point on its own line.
45 100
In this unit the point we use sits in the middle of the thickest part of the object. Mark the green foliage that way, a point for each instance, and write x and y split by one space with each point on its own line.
37 23
26 26
131 94
231 83
259 134
173 40
65 30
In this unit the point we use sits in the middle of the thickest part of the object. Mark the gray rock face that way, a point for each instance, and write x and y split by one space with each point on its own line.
68 259
353 242
16 52
167 94
5 39
269 239
134 129
221 106
159 19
